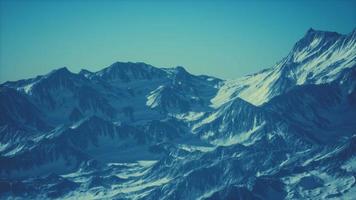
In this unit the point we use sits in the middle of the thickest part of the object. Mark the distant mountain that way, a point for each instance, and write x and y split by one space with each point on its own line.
134 131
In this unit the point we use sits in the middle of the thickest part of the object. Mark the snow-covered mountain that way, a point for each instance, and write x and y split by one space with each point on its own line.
134 131
319 57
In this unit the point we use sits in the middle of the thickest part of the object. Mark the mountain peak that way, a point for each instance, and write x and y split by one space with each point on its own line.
60 72
179 73
314 40
125 65
312 33
129 71
239 103
180 69
310 30
85 72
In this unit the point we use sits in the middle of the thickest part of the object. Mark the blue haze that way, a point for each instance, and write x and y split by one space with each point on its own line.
226 39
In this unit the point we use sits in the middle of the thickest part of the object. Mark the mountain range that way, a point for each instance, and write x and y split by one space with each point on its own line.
134 131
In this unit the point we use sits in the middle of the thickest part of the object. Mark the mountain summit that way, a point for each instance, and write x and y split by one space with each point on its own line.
318 58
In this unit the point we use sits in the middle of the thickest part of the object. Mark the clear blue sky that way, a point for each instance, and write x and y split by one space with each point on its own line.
227 39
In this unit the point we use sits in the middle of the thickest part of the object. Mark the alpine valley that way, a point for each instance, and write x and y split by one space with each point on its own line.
134 131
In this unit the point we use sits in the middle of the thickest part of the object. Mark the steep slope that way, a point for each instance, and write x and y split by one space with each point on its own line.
184 93
20 119
319 57
17 111
235 122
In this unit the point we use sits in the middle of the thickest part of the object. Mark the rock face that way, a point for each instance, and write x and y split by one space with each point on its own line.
134 131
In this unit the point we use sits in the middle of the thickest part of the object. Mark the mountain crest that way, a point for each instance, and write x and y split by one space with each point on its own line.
312 33
129 71
63 71
315 39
